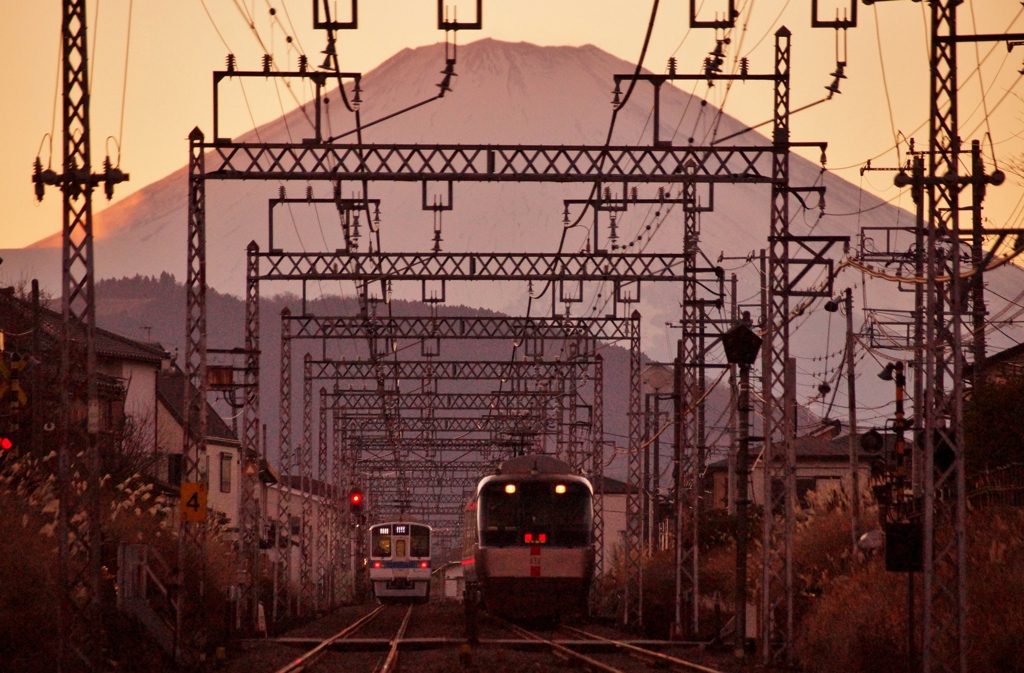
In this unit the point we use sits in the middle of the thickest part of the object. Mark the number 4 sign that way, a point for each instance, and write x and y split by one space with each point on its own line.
193 502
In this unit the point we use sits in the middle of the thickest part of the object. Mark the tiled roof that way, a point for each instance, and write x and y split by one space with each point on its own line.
108 344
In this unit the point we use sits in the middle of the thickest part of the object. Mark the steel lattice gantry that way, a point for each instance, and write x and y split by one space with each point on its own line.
484 163
442 370
577 333
226 160
370 266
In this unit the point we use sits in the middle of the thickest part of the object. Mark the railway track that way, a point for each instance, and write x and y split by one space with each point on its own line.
309 659
389 639
563 652
391 662
650 656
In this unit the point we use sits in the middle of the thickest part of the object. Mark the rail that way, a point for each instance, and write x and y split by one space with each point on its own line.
562 651
657 658
391 663
309 658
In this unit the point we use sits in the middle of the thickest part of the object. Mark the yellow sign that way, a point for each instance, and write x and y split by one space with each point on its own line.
193 502
250 469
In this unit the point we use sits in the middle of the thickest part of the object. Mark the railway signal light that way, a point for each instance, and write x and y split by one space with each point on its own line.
355 501
6 444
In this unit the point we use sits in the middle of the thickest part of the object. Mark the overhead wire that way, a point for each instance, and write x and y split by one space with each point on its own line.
885 84
124 84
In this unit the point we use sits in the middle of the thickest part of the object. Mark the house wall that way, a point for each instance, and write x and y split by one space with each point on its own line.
341 560
614 510
828 476
224 479
139 379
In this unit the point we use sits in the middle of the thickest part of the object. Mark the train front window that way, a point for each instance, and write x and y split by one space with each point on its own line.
419 542
380 542
400 548
536 513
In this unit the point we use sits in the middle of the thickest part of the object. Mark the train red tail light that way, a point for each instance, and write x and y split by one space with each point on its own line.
543 538
424 564
528 538
376 564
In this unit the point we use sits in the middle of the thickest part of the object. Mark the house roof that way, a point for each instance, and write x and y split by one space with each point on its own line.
837 449
1013 355
613 486
170 390
316 487
16 316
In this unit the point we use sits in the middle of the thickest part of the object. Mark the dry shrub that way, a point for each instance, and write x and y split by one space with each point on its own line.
28 567
131 511
995 619
859 623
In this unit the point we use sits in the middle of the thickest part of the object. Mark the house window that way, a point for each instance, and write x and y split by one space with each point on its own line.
805 486
225 472
174 469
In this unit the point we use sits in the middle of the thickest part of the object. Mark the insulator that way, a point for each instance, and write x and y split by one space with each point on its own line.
231 62
672 63
356 100
607 193
565 215
661 193
633 193
355 226
303 62
617 99
614 235
267 60
108 185
337 191
744 66
280 192
309 192
376 216
37 173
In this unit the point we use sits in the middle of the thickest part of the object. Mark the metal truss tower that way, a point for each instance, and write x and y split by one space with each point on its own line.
779 461
689 431
283 597
80 624
250 524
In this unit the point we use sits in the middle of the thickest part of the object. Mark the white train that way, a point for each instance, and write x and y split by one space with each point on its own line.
528 550
399 562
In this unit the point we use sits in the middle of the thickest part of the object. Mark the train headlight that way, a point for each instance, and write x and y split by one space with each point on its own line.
560 489
510 488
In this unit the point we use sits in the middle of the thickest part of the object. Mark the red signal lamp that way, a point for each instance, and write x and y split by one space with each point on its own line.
6 444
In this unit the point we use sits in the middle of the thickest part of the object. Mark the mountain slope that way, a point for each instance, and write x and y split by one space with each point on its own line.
503 93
